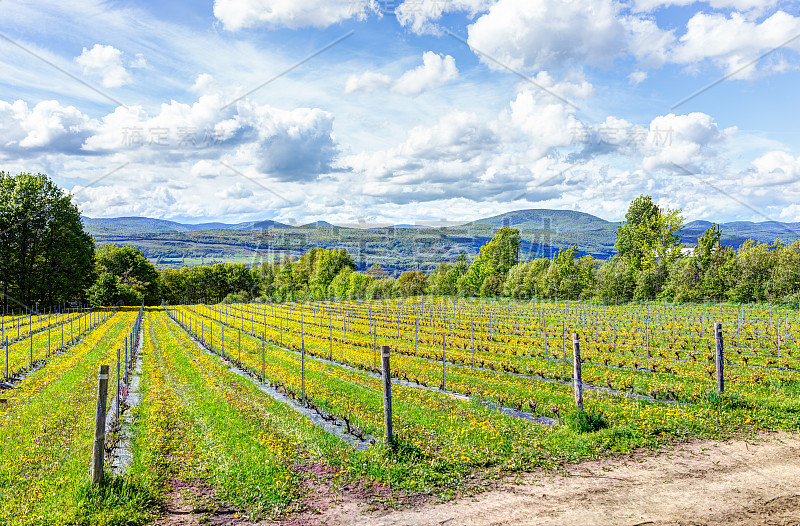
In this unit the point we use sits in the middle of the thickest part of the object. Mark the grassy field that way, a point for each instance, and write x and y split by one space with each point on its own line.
482 390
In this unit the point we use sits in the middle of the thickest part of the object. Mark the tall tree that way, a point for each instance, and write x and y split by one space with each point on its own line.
649 234
124 275
45 254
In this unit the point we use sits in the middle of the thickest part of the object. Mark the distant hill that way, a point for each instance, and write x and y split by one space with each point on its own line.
396 248
134 225
543 219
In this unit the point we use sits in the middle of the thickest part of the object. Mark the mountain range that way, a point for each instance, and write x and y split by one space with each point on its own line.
396 247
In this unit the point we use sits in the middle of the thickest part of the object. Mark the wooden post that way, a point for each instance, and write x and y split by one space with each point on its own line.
6 356
719 358
98 452
577 380
647 340
303 366
31 350
444 364
126 358
563 349
48 338
387 394
262 355
240 344
472 335
118 371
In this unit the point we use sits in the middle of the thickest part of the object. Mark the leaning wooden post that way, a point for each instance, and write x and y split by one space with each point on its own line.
98 452
719 358
387 394
578 382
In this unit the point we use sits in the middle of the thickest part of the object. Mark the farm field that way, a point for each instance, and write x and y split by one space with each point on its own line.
482 390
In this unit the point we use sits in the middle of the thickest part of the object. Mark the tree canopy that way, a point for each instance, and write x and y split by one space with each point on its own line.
45 254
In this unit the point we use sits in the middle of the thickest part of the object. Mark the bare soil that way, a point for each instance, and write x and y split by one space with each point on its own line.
751 482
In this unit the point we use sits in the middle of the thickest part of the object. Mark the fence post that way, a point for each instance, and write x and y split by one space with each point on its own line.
117 397
647 339
719 357
444 364
563 349
578 382
262 355
387 394
31 350
98 452
303 366
126 358
6 356
240 345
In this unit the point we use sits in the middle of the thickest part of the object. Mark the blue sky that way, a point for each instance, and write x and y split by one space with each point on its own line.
423 110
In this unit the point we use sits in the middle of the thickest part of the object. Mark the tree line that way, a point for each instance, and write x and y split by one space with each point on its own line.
47 258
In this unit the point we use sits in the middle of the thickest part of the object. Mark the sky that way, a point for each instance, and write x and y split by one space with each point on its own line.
392 111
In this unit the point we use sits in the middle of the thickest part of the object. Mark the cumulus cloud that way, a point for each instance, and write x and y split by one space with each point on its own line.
105 62
683 140
287 145
774 168
550 33
436 70
733 41
47 127
419 15
240 14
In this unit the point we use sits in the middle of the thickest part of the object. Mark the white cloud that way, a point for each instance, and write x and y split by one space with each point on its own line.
367 81
287 145
49 127
240 14
739 5
682 140
637 77
732 42
774 168
418 15
435 71
105 62
530 36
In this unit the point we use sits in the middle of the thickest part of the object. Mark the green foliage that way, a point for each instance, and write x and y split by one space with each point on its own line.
649 234
501 252
213 283
586 421
411 283
45 254
124 275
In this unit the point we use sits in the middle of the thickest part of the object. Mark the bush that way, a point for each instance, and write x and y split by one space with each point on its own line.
586 421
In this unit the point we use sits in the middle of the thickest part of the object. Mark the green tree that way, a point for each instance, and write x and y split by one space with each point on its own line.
411 283
649 235
124 275
45 254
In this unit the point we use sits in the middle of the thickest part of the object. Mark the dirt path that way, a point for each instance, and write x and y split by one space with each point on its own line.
705 483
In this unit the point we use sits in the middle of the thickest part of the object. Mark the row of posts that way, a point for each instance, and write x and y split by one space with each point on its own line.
98 449
387 382
577 375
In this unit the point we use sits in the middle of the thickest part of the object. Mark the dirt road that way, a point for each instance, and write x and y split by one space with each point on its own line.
704 483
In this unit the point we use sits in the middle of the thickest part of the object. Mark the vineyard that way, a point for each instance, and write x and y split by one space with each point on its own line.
262 408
